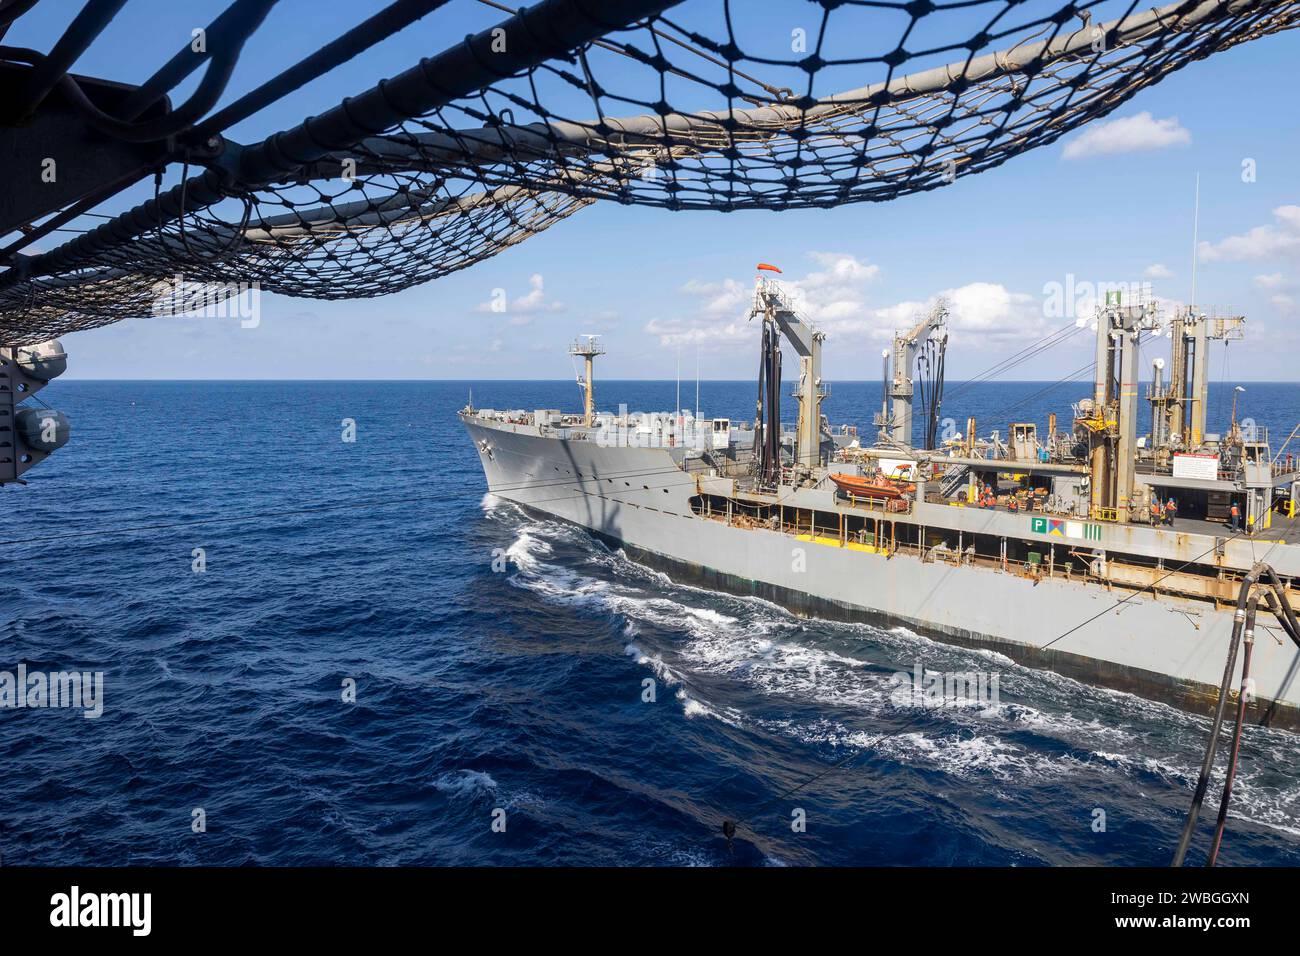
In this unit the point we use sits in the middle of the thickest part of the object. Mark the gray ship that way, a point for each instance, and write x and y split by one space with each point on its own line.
1121 559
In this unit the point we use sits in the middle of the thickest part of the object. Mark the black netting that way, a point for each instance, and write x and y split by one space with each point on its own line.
714 104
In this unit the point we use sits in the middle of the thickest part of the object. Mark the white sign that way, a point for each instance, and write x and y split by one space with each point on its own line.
1196 466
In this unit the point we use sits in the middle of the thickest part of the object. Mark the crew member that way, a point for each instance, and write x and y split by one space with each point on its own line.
1235 516
1171 511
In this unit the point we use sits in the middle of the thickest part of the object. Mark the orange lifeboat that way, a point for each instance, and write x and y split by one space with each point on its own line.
863 487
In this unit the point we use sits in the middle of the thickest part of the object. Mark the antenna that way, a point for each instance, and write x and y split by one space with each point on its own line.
677 409
1196 227
697 382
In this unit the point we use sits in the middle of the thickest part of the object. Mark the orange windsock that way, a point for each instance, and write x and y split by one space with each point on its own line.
767 268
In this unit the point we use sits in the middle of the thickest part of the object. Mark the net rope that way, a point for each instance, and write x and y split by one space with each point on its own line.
708 105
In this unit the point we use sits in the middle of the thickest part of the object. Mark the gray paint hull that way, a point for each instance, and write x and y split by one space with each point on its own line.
1165 648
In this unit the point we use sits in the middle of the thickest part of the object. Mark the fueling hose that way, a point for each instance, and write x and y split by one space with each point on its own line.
1277 596
1207 765
1236 733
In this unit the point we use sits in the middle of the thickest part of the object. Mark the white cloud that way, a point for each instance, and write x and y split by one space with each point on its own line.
718 298
991 308
522 308
831 297
1274 281
687 331
839 269
977 310
1284 303
1277 239
834 298
1157 271
1129 134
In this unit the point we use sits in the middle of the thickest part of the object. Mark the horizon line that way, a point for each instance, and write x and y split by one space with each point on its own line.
670 381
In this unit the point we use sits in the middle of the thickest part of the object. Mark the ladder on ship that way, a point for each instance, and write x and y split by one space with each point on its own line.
953 478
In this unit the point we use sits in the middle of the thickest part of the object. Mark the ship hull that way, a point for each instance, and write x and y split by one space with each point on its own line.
1167 649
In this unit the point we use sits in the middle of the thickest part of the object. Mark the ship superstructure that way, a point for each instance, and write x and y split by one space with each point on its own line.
1113 550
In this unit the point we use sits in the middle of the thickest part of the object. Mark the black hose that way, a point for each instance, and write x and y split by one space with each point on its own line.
1207 765
1236 732
1287 617
937 399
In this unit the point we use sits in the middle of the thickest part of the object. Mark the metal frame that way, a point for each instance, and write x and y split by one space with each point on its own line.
550 29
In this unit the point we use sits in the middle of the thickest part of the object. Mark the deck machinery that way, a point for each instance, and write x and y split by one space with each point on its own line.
1107 468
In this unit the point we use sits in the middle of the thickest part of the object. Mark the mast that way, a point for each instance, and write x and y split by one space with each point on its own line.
587 350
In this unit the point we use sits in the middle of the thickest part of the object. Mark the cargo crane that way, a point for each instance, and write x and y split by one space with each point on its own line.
1108 421
895 417
811 433
1178 409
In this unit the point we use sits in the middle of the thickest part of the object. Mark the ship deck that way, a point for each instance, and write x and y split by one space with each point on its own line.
1284 529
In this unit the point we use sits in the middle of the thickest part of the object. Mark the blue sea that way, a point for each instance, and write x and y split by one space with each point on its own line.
499 662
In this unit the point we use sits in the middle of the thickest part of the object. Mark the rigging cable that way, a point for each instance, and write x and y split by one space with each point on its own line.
1016 358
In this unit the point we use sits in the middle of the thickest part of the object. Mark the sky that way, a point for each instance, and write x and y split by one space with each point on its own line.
1110 203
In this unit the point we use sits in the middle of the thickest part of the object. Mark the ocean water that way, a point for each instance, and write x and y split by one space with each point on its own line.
499 662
